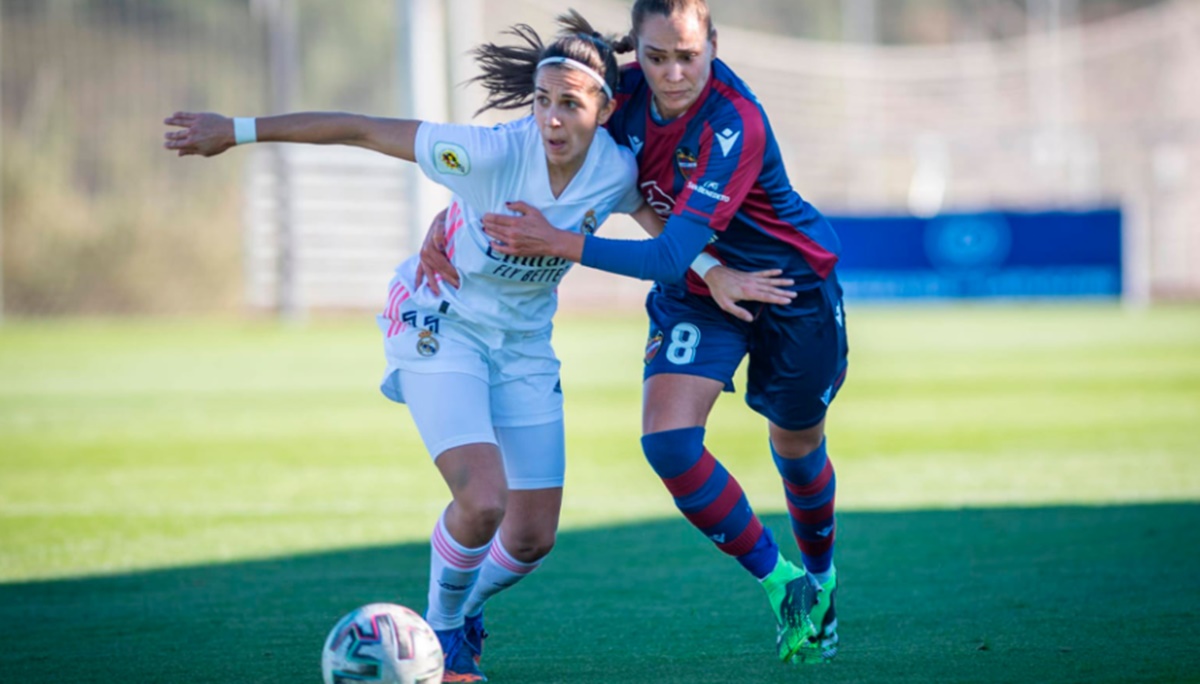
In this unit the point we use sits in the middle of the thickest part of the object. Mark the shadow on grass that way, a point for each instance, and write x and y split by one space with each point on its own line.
1046 594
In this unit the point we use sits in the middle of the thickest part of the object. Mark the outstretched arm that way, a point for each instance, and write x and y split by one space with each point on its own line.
208 134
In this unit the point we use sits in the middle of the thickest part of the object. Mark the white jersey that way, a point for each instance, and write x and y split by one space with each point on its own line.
486 167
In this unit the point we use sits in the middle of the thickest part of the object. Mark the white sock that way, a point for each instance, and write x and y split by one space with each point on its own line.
453 569
499 572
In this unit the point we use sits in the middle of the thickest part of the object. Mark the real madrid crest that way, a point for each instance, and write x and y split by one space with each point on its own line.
427 344
589 222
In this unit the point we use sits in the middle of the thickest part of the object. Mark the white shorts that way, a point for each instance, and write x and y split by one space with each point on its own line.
464 389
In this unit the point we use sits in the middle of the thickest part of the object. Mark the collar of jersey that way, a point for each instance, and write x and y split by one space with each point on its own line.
587 163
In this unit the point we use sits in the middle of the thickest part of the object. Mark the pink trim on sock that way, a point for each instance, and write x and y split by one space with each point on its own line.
445 546
500 555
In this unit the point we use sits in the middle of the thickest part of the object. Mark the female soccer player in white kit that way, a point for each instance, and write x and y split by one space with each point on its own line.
474 364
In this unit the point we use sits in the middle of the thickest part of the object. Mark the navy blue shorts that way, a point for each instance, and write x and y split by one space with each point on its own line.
797 351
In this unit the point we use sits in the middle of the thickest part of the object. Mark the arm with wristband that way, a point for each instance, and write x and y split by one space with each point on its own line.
207 134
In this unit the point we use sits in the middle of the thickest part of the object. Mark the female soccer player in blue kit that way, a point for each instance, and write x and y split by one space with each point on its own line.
709 164
475 365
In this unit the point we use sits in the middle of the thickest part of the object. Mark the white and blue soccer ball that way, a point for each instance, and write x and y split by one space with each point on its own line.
384 643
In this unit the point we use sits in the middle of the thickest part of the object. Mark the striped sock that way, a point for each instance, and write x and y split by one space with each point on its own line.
453 569
498 572
710 497
810 486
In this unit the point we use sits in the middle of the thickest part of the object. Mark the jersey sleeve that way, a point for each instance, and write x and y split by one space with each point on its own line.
730 160
469 160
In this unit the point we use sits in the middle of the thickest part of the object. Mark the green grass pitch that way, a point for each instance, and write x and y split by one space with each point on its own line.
1019 500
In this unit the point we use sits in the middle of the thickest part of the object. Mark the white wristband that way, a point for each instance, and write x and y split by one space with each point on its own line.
703 262
245 130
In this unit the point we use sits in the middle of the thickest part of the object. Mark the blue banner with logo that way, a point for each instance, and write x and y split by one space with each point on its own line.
990 254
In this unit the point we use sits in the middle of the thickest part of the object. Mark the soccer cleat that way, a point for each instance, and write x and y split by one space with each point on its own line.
474 633
460 663
823 645
792 593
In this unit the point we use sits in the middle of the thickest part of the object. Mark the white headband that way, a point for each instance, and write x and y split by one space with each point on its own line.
576 64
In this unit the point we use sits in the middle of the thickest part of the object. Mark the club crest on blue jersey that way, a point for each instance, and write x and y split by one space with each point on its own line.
427 344
686 161
451 159
589 222
652 345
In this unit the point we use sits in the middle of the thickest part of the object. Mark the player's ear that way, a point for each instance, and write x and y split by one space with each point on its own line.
606 112
713 40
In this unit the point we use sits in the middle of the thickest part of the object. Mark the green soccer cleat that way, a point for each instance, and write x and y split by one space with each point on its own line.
823 646
793 594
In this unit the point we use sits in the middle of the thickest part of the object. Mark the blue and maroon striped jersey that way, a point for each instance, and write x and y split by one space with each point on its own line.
719 165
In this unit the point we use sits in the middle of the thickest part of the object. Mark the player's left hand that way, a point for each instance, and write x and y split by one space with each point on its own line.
729 287
527 233
205 133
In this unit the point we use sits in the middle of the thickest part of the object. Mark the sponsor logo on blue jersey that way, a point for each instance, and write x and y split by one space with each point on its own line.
726 139
711 189
659 201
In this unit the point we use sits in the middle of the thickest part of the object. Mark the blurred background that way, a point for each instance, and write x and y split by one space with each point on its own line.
965 148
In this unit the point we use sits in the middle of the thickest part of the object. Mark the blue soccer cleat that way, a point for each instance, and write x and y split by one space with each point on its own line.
474 633
460 661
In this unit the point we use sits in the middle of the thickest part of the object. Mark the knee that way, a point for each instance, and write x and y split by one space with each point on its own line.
530 548
792 444
485 512
672 452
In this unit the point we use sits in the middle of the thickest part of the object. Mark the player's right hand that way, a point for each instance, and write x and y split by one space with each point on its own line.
434 265
205 134
728 287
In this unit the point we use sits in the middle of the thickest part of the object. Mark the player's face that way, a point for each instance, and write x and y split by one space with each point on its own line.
568 107
676 56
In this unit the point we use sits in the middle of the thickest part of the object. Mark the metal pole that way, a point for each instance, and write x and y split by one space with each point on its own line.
283 56
467 33
862 130
423 96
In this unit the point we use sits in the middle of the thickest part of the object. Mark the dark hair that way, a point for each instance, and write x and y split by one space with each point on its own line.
509 71
643 8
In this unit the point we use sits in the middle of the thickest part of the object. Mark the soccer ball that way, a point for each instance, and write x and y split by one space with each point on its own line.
385 643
